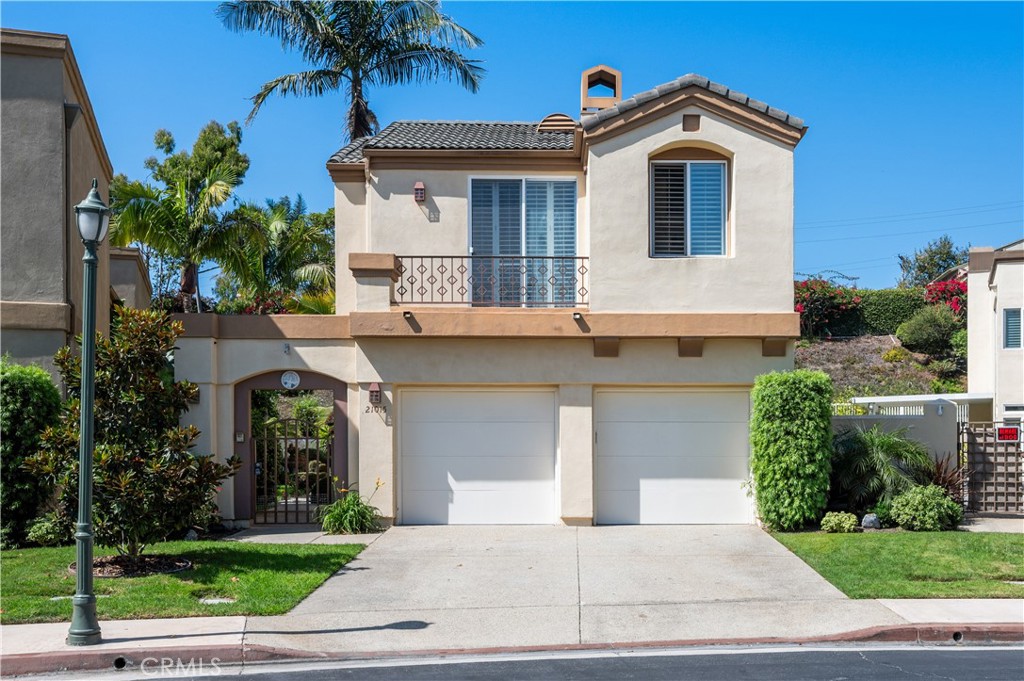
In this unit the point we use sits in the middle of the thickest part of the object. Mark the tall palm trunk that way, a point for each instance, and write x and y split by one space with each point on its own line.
361 121
190 283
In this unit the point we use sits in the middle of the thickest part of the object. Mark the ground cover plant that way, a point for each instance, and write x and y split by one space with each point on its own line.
915 564
261 579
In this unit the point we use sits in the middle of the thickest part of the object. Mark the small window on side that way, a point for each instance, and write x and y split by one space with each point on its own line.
1011 328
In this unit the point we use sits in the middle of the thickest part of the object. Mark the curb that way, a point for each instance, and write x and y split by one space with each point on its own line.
113 659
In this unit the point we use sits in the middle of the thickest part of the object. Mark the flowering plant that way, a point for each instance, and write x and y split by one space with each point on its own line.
822 304
952 294
273 302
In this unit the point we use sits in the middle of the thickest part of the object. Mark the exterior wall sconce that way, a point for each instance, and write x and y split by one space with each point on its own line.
419 192
375 393
577 316
407 314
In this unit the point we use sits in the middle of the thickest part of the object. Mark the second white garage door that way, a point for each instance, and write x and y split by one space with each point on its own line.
666 457
477 457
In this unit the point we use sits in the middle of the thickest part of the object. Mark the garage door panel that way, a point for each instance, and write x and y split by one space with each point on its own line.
486 439
654 406
473 507
477 456
643 439
469 472
618 473
477 405
667 457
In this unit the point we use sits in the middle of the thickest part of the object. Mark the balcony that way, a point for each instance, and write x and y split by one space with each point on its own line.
492 281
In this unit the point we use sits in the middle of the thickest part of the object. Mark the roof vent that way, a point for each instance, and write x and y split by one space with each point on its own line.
604 77
556 122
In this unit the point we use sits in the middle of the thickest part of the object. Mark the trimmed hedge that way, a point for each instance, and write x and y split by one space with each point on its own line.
883 310
29 403
791 439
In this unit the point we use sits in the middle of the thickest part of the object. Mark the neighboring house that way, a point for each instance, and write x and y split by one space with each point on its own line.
542 322
51 151
995 358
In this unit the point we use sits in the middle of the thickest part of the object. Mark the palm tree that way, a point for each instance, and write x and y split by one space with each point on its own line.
291 253
875 465
356 45
180 222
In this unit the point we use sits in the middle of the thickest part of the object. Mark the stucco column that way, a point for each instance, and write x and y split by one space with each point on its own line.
576 452
377 448
375 275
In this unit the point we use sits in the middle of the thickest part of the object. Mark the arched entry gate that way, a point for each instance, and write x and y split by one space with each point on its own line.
287 467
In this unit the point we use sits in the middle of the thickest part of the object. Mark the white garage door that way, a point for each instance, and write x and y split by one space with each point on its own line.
666 457
477 457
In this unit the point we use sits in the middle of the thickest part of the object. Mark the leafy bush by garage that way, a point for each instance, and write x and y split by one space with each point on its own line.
29 403
842 523
883 310
148 485
930 330
926 509
791 439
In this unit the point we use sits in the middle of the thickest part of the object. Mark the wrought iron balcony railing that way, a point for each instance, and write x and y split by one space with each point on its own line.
493 281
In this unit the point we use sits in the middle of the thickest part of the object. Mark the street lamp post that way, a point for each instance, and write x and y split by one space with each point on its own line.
93 218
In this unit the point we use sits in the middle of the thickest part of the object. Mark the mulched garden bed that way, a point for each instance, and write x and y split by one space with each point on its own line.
143 566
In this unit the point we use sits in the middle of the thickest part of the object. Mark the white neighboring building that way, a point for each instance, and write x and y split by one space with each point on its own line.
995 358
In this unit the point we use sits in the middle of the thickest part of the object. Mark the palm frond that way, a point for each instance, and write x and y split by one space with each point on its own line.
303 84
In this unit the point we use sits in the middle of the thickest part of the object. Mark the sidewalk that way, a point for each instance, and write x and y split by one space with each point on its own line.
40 648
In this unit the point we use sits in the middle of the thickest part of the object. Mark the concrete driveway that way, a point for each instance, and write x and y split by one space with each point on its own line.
440 588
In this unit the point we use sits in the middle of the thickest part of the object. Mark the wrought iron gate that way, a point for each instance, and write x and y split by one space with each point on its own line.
292 471
994 468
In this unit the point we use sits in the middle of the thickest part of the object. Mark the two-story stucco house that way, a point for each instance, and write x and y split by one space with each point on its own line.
547 322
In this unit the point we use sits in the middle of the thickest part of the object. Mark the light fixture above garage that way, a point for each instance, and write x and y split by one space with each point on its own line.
419 192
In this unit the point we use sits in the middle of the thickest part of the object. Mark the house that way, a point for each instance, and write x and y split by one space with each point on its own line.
995 359
52 149
544 322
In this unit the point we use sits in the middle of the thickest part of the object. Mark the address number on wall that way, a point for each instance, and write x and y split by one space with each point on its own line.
376 409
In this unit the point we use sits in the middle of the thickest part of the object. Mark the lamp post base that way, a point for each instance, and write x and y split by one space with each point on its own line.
85 628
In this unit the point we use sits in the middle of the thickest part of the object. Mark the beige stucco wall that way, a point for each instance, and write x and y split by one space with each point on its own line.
569 366
757 272
937 432
350 230
129 279
991 368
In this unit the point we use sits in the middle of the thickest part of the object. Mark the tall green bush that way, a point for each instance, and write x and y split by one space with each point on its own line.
791 438
148 485
930 330
29 403
883 310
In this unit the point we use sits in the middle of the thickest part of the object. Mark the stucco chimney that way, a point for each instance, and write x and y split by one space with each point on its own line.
593 77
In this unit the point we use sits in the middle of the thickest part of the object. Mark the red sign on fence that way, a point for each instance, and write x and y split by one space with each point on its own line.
1008 434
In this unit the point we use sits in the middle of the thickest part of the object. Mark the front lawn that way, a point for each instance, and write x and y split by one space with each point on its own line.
263 579
915 564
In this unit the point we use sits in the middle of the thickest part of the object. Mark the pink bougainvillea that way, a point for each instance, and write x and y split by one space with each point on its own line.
952 293
822 304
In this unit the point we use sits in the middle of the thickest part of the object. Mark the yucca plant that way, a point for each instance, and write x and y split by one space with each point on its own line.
875 465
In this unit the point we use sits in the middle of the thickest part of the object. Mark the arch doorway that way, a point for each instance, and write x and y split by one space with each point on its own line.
288 466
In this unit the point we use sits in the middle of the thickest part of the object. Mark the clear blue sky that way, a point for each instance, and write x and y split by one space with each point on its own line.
916 111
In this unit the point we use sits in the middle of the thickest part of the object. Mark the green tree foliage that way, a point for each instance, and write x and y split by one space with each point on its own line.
870 466
923 266
148 485
926 509
182 224
791 438
216 146
29 403
351 46
930 330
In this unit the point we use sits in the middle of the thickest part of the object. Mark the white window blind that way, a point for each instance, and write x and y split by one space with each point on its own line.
1011 328
687 208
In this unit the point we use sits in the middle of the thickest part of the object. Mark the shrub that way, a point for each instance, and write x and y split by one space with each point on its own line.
897 354
883 509
944 368
958 343
839 522
952 294
883 310
351 514
29 403
824 306
875 465
926 509
930 330
49 530
791 438
309 413
147 483
941 386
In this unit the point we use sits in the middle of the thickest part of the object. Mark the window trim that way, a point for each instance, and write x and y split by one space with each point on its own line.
1020 313
686 217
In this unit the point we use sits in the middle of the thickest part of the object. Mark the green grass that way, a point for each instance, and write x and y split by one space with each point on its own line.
264 579
915 564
